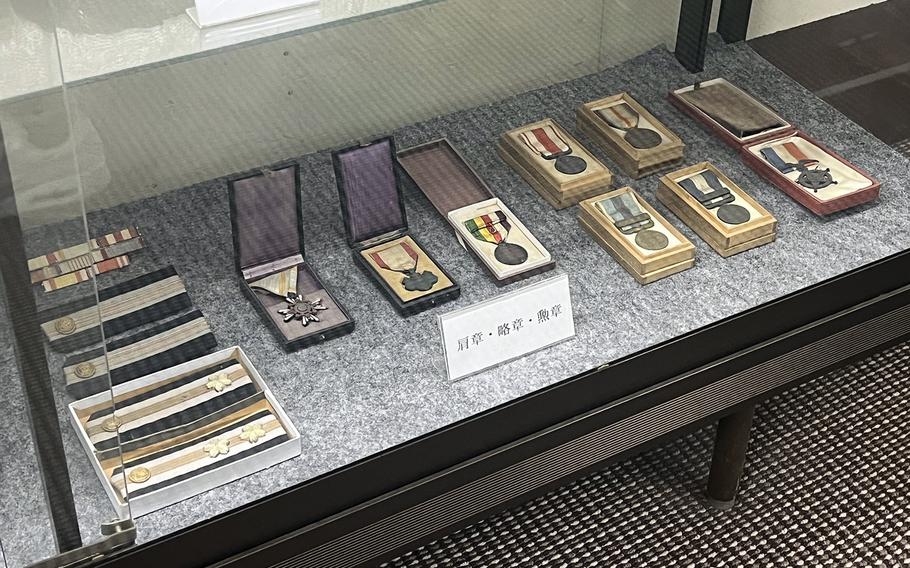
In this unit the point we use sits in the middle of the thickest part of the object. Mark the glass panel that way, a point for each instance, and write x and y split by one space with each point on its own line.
260 343
51 501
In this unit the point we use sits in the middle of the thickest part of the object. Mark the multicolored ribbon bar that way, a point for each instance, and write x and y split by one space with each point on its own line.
85 274
486 227
82 248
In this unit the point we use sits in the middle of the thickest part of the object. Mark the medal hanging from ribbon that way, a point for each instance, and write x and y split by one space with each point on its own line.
787 157
547 142
494 228
707 188
284 284
402 258
630 219
623 117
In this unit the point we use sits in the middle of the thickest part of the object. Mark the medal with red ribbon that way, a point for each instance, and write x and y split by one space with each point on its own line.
547 142
401 257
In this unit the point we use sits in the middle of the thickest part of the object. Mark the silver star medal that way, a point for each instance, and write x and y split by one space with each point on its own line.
302 309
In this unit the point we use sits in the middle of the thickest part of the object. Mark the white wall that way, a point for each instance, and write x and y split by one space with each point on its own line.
769 16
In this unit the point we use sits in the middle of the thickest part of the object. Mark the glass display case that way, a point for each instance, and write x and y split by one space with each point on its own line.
317 284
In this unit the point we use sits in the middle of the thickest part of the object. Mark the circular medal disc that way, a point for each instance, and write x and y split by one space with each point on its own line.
642 138
651 240
733 214
511 254
571 165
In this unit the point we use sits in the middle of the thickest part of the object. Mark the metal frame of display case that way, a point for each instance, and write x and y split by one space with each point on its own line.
378 507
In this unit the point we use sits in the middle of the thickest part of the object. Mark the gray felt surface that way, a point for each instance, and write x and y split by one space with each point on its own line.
385 383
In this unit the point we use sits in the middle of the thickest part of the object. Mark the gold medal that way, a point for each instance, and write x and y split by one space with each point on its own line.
85 370
112 424
140 475
65 325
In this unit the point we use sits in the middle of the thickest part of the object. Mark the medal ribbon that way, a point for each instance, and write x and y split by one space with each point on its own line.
707 188
484 228
787 150
546 142
626 213
393 259
620 116
280 284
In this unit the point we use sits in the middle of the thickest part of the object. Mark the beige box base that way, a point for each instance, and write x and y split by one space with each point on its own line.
726 239
634 162
646 266
645 278
557 189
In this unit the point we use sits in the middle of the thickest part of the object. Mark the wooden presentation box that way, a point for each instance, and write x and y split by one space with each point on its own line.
280 439
541 169
644 265
267 227
635 162
854 185
372 205
459 194
749 125
725 238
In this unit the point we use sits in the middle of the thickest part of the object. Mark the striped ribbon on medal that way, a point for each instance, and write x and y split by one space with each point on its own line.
81 249
707 188
626 214
786 157
486 227
281 283
546 142
397 264
620 116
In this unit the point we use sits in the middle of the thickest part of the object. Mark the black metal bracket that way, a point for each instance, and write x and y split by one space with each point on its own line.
34 374
733 21
692 33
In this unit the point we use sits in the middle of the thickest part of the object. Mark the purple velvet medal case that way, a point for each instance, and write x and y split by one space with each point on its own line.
269 254
377 229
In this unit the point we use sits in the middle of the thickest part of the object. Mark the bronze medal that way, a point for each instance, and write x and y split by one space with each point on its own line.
732 214
650 239
571 165
510 253
419 281
642 138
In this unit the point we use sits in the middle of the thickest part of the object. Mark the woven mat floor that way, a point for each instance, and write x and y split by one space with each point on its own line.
826 484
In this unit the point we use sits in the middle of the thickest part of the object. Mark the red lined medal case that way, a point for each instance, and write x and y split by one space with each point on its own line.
763 128
459 194
377 229
267 227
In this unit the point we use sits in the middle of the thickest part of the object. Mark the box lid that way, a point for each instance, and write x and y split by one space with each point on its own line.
265 216
443 175
735 114
369 189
